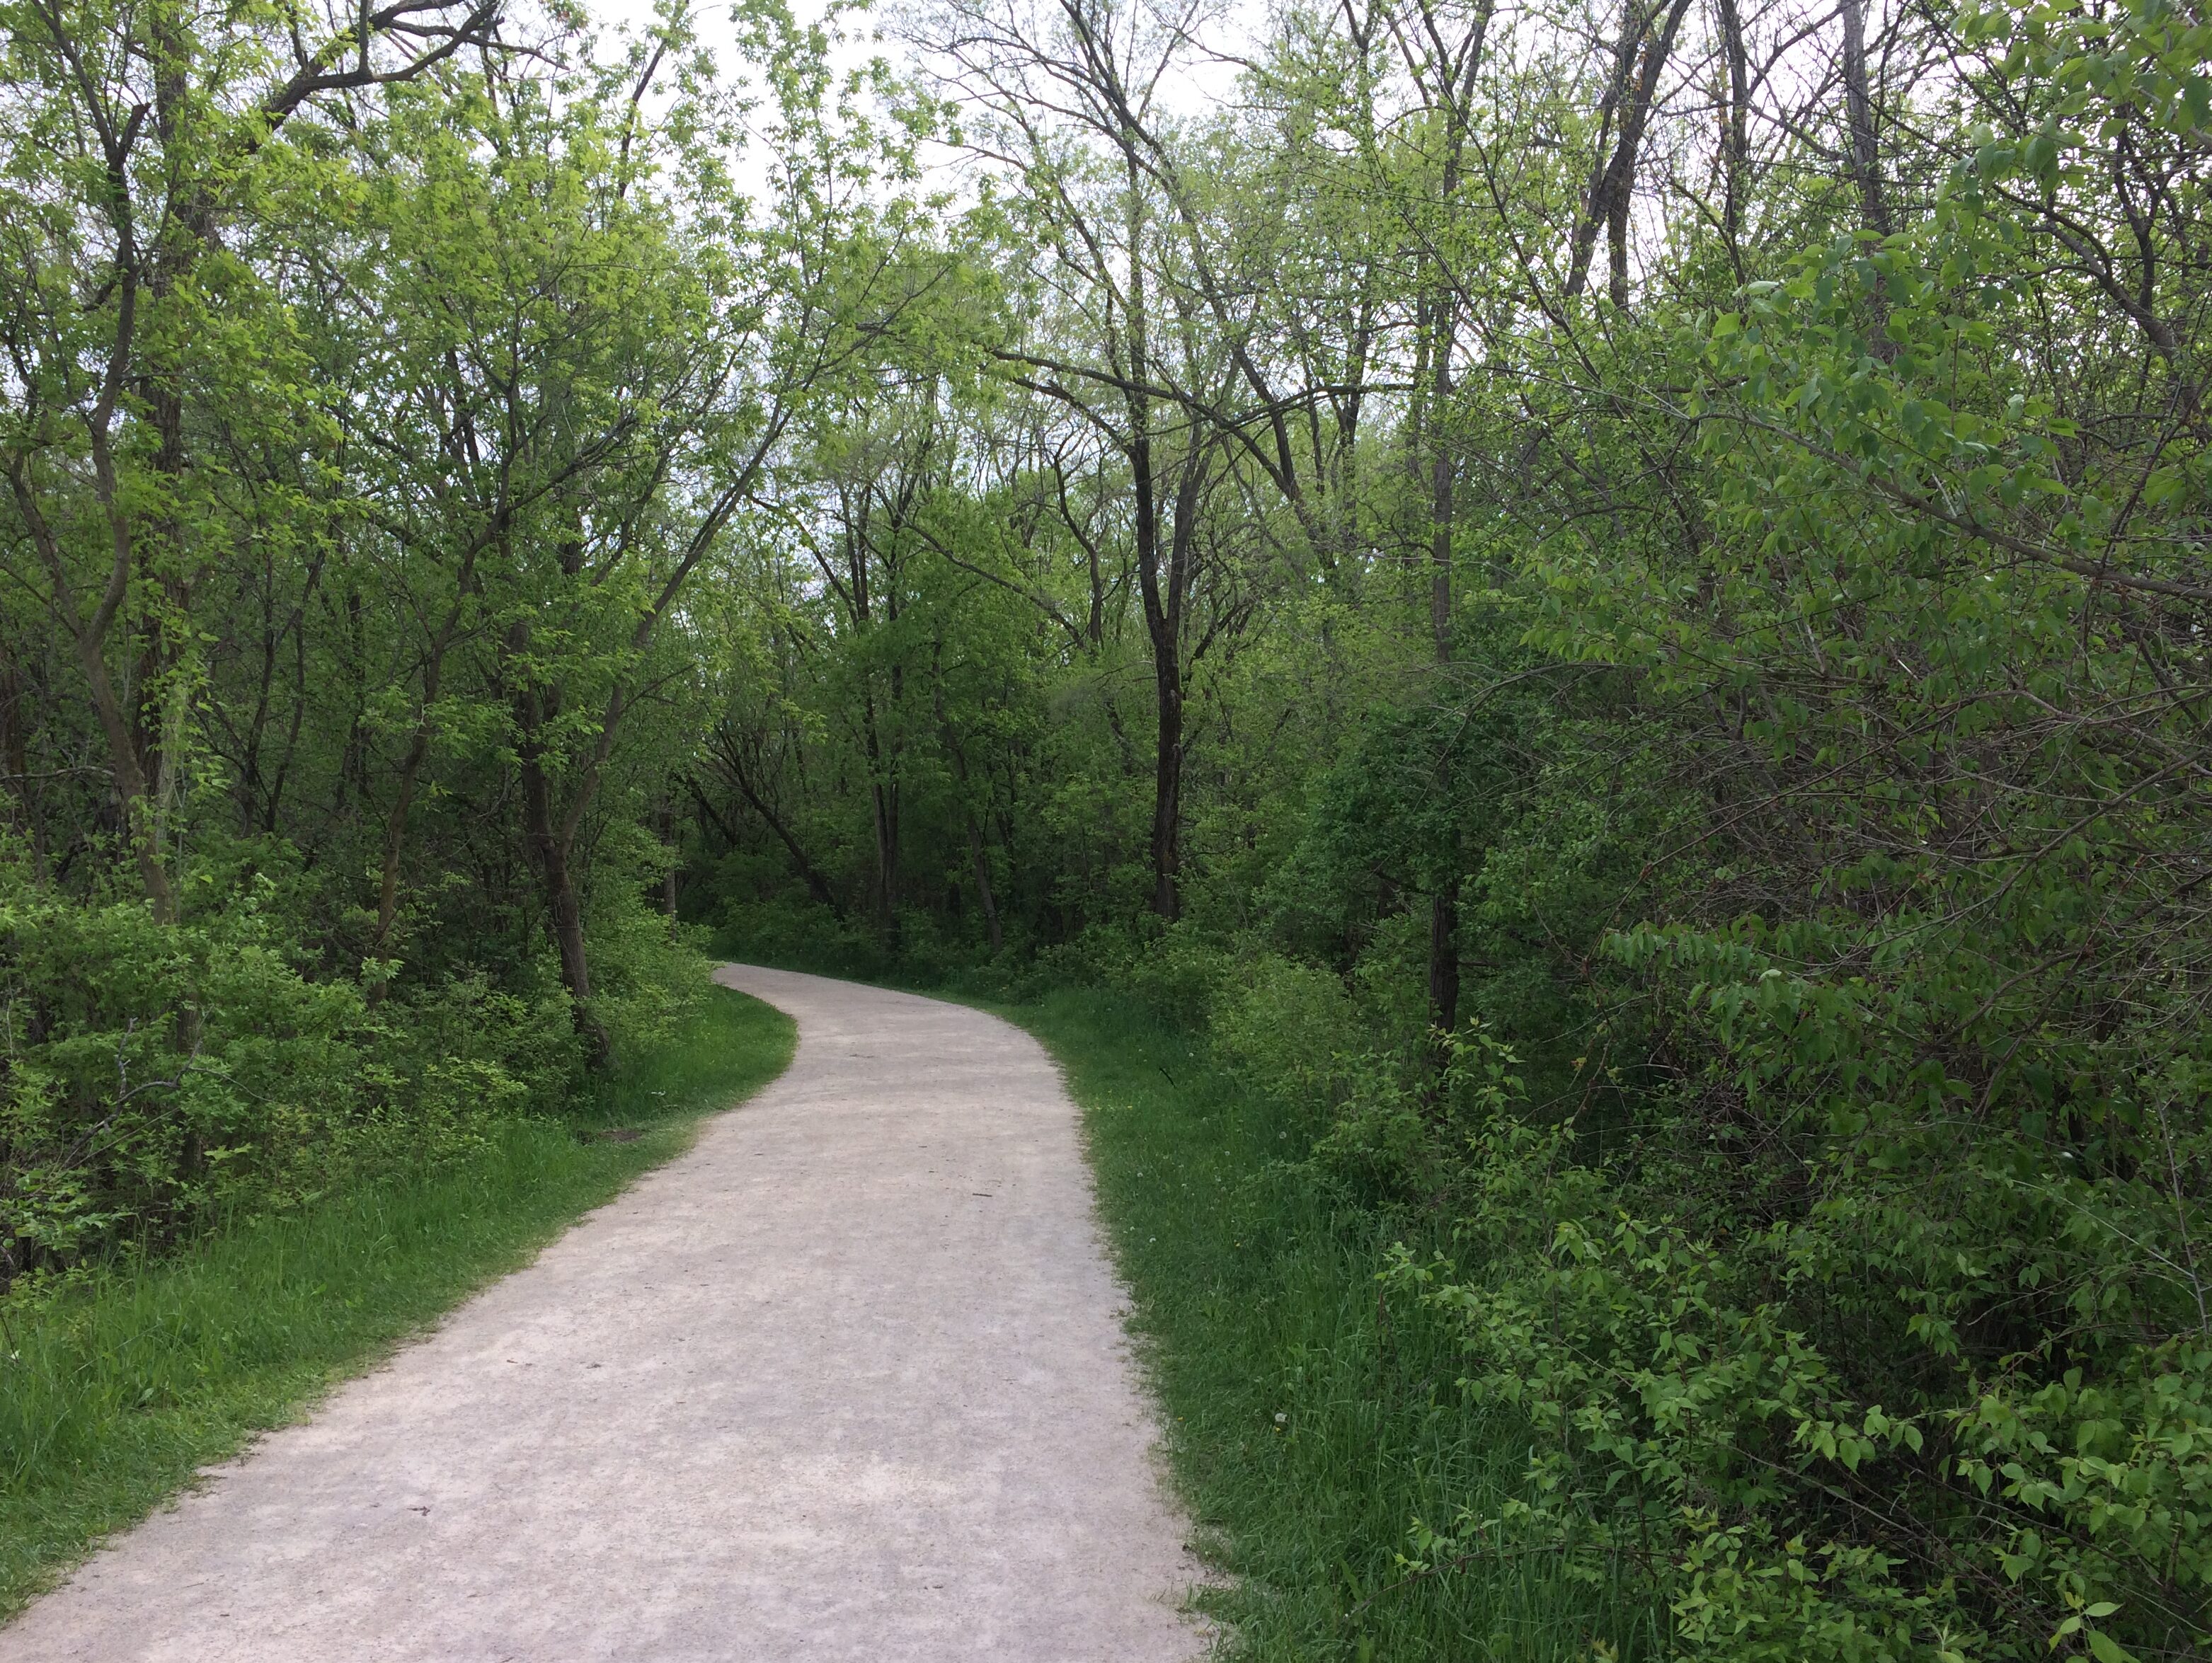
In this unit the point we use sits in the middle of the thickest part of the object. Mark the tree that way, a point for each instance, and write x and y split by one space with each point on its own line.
130 147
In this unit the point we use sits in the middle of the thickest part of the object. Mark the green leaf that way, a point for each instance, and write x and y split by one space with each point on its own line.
2107 1649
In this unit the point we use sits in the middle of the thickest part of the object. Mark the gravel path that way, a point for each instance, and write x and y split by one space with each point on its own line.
846 1382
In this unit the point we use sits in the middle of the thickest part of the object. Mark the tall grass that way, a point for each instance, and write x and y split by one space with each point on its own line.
1309 1422
113 1390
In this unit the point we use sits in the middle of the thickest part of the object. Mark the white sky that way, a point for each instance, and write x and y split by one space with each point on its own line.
1200 85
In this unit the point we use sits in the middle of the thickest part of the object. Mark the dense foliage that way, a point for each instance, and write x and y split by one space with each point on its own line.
380 391
1611 598
1615 601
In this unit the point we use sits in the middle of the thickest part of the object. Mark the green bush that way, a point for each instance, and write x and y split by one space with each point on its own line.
1289 1029
154 1078
1843 1373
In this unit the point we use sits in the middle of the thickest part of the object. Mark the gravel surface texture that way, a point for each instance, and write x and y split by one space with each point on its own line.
846 1382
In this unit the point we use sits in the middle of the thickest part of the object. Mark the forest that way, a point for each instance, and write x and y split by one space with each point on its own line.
1604 601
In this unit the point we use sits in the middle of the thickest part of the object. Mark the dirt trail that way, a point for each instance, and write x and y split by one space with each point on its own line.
846 1382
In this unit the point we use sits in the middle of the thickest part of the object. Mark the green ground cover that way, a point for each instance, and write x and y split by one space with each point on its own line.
1312 1421
118 1387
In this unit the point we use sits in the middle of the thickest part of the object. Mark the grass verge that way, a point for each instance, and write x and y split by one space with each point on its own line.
114 1394
1309 1422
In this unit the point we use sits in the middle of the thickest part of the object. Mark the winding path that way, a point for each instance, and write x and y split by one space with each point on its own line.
843 1382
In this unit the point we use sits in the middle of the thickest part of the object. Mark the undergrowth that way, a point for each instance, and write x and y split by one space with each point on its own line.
122 1381
1315 1422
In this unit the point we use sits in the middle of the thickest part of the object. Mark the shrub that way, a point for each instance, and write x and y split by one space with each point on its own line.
1846 1373
154 1078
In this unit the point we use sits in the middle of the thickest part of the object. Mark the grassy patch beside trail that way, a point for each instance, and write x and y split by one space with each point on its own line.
1310 1425
113 1393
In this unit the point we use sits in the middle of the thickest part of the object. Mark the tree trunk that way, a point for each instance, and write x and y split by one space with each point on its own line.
548 842
88 635
883 803
395 833
978 855
1629 95
1443 961
1616 238
1858 107
130 780
1163 604
418 749
1596 209
1440 503
1167 789
14 751
1443 910
981 858
817 886
1735 135
163 557
551 852
1443 913
1162 610
663 817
